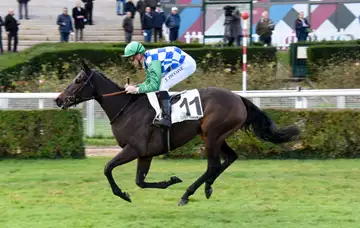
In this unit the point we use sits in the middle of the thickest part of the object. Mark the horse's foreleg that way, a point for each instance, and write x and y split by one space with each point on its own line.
143 169
214 165
229 157
125 156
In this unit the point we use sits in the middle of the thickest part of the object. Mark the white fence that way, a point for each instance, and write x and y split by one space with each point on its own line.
280 40
97 123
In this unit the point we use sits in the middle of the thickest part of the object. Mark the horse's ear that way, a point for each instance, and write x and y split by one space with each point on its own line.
85 67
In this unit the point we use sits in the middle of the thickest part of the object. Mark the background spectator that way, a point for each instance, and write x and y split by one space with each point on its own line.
173 23
128 27
130 7
79 15
237 28
232 25
140 7
1 46
302 27
147 24
89 5
65 25
264 28
23 4
118 3
159 19
12 28
152 4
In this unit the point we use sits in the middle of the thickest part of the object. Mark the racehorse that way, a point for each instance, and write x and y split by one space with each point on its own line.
131 118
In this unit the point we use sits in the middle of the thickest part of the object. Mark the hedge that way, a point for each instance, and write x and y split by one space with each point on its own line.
22 66
325 134
335 54
321 44
41 134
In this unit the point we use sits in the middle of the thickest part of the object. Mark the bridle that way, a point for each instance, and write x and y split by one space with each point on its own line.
74 99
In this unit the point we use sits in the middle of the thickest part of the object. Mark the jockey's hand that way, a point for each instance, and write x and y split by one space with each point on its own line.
132 89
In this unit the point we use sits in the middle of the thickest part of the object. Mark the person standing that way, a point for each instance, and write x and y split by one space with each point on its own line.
302 27
23 4
140 7
128 27
89 5
130 7
237 28
1 46
232 28
65 25
151 3
147 24
79 15
159 19
12 28
264 28
173 23
118 4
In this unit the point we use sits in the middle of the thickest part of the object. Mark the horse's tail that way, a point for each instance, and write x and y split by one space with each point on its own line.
264 128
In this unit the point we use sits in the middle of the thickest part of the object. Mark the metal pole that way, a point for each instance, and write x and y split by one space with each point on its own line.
245 16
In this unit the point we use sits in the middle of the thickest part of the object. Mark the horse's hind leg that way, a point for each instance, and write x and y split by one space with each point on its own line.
143 169
125 156
214 164
229 157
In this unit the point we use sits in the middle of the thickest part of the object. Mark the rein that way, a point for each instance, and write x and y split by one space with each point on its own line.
113 94
117 93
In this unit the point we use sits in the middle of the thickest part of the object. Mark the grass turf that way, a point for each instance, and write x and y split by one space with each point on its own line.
75 193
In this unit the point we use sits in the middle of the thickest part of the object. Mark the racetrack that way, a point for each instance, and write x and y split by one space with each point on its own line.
268 194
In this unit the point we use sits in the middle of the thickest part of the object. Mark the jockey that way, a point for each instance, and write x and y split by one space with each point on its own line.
165 67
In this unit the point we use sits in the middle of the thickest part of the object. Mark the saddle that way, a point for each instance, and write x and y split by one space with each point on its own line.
173 97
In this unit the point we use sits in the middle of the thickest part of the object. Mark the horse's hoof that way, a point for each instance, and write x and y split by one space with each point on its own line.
208 192
183 202
126 197
175 180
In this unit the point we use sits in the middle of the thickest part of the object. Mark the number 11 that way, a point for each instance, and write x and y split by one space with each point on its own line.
197 105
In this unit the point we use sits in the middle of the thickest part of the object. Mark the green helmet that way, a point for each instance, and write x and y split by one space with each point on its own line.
133 48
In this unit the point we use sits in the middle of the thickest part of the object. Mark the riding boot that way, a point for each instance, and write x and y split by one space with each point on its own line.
166 110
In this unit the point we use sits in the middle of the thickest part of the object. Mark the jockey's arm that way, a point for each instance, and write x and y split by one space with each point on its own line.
153 78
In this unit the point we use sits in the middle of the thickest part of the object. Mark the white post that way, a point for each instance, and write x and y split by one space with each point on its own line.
340 102
193 36
187 37
4 103
257 101
90 109
41 103
201 37
245 16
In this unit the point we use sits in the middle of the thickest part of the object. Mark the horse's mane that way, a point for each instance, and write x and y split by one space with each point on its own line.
109 80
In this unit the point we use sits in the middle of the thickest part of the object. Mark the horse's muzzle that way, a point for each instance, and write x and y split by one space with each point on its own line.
59 102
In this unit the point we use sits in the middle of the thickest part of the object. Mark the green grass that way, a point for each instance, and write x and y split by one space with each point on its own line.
283 57
267 194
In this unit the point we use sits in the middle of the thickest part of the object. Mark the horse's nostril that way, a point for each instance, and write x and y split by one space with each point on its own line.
58 102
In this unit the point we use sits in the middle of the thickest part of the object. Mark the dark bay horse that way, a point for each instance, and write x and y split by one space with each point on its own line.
131 117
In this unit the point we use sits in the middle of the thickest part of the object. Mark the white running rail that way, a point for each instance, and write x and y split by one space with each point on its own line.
96 122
